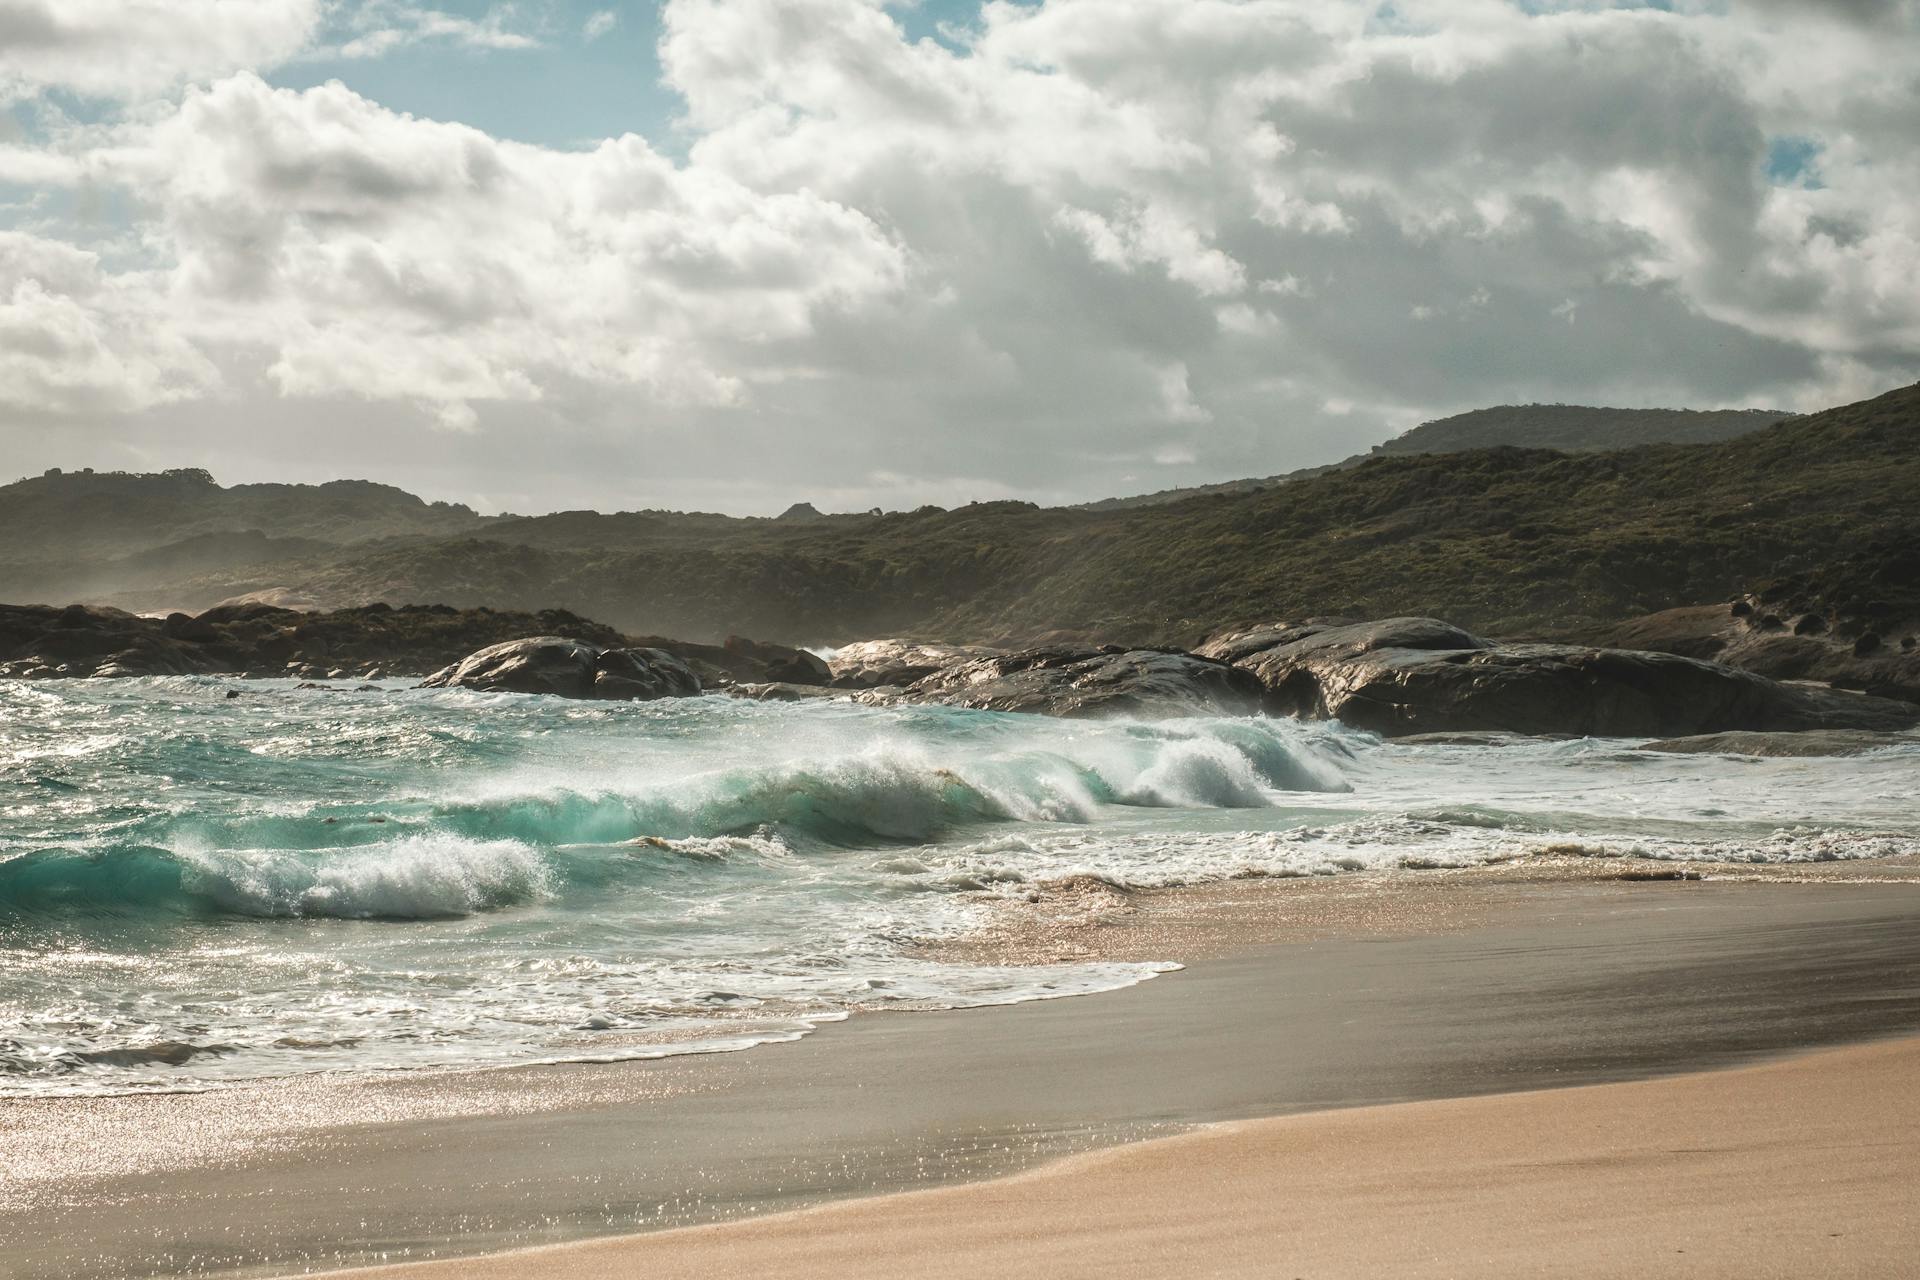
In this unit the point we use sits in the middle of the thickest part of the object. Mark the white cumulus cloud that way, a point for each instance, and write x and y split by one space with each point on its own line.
1228 236
126 49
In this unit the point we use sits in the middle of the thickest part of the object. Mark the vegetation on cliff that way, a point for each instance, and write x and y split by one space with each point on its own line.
1507 541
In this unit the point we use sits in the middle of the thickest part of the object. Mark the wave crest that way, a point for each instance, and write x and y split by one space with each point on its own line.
418 877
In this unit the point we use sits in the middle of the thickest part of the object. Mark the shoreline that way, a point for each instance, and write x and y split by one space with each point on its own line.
1433 986
1673 1175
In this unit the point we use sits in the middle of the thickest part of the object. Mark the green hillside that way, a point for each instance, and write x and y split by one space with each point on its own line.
1501 540
1567 428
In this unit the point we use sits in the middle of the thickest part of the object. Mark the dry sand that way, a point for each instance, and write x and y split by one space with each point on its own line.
1807 1167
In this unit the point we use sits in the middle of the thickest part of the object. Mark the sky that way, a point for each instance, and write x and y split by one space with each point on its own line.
733 254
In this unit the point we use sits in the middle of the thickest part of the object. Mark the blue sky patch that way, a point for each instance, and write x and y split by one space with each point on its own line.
1791 162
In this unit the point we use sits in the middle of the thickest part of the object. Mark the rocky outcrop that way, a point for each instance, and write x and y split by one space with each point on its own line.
1405 676
778 663
569 669
260 639
1879 656
1401 677
40 642
1099 682
872 663
742 661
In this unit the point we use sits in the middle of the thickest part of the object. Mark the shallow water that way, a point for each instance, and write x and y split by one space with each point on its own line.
198 888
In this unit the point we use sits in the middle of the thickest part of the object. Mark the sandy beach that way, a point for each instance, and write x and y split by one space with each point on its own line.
1795 1168
1338 997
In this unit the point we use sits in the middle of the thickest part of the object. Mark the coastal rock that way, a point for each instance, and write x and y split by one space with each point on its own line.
742 661
1831 650
569 669
1813 742
641 675
1405 676
1080 682
42 642
873 663
779 663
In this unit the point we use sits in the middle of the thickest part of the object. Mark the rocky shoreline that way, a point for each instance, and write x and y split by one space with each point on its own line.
1399 677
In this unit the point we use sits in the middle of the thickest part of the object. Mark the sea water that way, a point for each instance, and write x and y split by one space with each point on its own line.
205 881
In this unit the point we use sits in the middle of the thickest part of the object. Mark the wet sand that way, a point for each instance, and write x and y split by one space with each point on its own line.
1790 1169
1403 992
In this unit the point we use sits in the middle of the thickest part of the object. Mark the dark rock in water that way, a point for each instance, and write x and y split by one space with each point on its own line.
778 663
264 640
641 675
1416 675
872 663
742 661
569 669
542 664
1813 742
40 642
1080 682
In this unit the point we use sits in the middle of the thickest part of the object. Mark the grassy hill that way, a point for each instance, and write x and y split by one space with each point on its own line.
1568 428
1574 428
1505 540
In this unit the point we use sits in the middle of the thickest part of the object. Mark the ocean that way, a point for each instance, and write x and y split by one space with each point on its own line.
207 881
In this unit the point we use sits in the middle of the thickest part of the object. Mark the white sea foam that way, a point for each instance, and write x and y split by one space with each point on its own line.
416 877
429 879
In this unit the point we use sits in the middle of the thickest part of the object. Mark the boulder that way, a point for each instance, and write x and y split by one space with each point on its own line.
873 663
641 675
779 663
1406 676
569 669
1100 682
742 661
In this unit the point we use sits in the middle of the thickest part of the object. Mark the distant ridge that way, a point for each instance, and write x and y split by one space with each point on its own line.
1505 541
1568 428
115 513
90 534
1574 428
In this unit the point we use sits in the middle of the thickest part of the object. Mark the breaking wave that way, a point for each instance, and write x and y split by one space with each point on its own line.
423 877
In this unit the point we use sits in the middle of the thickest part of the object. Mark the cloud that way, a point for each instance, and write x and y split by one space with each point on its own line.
376 28
129 49
1219 237
598 24
74 338
367 253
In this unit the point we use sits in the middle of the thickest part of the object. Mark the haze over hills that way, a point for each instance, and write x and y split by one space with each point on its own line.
1503 539
1568 428
87 534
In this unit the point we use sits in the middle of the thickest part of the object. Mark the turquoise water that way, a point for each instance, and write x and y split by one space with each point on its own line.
208 880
